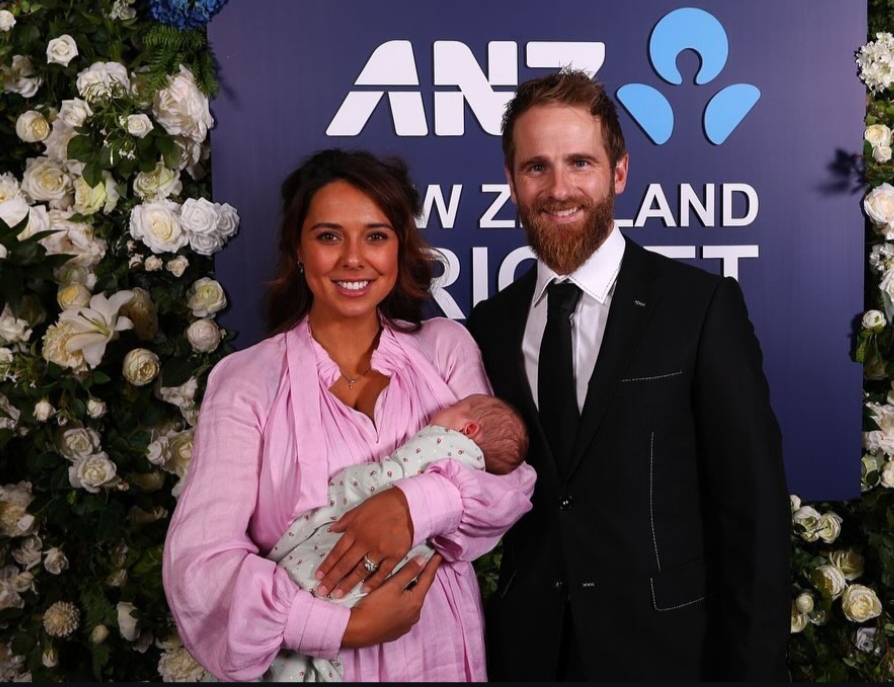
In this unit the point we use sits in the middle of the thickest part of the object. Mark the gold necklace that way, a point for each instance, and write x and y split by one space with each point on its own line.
353 380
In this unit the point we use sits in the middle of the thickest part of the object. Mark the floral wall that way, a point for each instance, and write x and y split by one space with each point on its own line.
108 331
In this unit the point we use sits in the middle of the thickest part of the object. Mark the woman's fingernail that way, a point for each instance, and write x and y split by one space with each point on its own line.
321 590
366 589
318 575
337 594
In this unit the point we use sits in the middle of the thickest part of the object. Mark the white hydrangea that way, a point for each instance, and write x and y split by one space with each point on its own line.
876 62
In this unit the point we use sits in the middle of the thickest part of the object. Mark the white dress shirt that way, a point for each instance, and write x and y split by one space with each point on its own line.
596 279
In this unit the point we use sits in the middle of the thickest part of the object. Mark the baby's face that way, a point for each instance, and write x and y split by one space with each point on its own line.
455 417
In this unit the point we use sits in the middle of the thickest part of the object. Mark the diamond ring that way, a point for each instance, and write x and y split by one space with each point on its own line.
369 565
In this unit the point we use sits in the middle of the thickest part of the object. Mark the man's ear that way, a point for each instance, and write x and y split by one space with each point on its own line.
511 183
621 174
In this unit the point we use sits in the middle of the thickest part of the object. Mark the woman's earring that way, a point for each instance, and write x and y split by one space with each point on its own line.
301 267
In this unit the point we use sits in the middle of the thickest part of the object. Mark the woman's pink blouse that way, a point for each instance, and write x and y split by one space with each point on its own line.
269 436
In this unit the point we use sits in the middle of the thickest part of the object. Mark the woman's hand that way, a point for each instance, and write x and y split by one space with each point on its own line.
380 531
390 612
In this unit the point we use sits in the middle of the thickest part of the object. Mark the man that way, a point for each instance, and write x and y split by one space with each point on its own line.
658 544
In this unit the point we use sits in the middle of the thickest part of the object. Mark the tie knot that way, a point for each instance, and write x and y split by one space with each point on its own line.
563 298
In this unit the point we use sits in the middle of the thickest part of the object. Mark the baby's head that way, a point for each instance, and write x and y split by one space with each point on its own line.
494 425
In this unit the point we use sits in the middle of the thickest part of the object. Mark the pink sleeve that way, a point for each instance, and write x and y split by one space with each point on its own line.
235 609
463 512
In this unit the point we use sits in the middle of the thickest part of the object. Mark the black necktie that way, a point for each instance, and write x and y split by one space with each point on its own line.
556 389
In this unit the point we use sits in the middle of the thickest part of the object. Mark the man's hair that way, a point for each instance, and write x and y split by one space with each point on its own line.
503 438
569 87
387 183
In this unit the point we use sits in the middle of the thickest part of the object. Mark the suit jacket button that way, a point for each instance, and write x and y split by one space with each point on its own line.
566 502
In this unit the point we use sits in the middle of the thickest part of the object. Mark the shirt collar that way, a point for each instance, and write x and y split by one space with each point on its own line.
596 276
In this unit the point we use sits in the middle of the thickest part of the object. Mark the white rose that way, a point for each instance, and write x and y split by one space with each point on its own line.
879 206
160 183
31 126
874 320
794 502
29 553
141 366
191 154
181 396
199 216
205 297
849 562
860 604
55 561
886 476
153 263
829 527
799 620
865 640
96 408
807 518
829 580
177 266
203 335
881 153
20 78
75 112
62 50
93 472
90 199
13 329
45 179
9 414
138 125
4 252
181 108
158 452
56 145
804 603
72 273
78 443
73 296
877 135
103 80
157 225
229 221
43 410
121 10
206 244
7 20
180 452
127 624
869 476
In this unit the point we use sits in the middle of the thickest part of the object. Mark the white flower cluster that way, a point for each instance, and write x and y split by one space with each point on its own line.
831 579
171 450
876 62
176 665
91 468
165 226
877 466
12 667
879 137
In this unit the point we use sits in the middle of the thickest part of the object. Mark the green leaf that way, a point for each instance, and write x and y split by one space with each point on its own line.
93 173
81 148
23 643
177 371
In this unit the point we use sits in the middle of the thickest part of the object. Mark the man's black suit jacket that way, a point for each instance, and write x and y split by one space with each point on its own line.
669 532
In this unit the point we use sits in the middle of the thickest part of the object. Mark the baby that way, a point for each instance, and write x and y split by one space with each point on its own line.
480 431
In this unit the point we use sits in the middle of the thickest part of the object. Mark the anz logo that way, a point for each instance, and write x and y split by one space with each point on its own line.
391 70
392 64
682 29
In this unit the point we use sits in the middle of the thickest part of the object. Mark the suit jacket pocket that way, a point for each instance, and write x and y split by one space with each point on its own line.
505 583
652 377
680 587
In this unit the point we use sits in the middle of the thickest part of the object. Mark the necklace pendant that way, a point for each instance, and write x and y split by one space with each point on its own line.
351 382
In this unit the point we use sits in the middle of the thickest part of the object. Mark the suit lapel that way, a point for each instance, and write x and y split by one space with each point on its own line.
632 305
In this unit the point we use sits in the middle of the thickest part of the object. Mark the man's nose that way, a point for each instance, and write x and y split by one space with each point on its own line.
560 184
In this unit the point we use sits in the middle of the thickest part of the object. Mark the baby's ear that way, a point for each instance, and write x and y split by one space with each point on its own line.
472 430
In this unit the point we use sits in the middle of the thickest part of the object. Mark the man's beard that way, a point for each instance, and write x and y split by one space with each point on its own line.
566 247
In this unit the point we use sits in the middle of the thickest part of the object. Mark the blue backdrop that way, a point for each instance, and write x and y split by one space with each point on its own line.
739 118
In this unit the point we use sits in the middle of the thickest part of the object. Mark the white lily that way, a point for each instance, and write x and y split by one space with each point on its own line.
96 325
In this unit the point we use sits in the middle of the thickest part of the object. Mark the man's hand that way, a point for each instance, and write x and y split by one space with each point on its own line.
390 612
378 530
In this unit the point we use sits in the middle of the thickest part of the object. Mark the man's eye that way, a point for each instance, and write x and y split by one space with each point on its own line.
581 163
537 168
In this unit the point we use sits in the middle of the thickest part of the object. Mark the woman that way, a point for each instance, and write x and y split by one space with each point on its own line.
349 373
